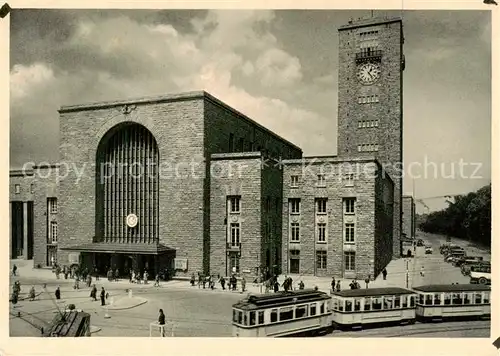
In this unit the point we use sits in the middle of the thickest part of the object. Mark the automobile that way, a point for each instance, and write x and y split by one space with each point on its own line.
466 267
468 260
428 250
420 242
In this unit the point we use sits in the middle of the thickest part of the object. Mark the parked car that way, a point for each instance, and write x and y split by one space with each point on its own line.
420 242
468 260
428 250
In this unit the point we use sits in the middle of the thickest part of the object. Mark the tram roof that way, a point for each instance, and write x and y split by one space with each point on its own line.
280 298
372 292
434 288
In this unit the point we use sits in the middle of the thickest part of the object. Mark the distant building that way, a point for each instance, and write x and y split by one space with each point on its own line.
409 217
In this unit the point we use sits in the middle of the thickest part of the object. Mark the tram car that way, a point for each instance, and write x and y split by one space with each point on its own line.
456 301
293 313
355 308
69 324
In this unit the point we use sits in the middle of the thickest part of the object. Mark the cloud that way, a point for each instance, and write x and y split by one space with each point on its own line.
108 58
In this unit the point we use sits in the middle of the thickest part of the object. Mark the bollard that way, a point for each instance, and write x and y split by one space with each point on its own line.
130 293
107 316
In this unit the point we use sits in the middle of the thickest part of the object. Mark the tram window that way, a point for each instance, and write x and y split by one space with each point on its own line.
286 313
412 301
357 304
245 318
486 298
348 305
376 304
312 309
397 302
322 308
478 298
428 299
437 299
252 318
467 298
447 299
274 315
341 305
301 311
421 299
367 304
335 304
261 317
388 302
457 298
405 301
235 316
240 317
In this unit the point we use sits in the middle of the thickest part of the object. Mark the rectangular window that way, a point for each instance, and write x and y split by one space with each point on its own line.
349 205
294 181
295 206
320 259
321 232
235 204
234 263
235 234
261 317
53 231
349 232
321 205
17 188
286 313
52 205
231 143
294 261
295 232
301 311
349 261
321 180
274 315
349 179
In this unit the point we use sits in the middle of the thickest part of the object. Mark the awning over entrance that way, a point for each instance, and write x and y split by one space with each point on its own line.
134 248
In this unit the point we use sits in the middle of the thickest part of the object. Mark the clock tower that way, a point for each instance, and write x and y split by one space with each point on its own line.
370 99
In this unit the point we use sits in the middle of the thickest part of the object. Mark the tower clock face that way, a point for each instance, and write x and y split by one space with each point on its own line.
368 73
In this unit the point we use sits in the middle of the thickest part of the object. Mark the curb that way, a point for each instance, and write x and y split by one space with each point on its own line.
141 301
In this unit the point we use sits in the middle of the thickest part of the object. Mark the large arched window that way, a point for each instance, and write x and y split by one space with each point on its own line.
127 180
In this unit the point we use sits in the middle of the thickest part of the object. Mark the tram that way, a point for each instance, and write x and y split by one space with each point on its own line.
456 301
294 313
356 308
69 324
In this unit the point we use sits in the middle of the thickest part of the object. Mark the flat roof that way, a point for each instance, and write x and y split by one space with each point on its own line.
371 21
192 95
434 288
372 292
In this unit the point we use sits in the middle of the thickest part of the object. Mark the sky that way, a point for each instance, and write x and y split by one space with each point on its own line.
277 67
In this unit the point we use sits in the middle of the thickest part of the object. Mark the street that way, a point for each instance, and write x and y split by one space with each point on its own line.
191 311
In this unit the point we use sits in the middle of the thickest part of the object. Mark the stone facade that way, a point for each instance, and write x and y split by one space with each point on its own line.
409 217
360 180
370 117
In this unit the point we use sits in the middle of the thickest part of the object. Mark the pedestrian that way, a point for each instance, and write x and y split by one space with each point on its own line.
223 283
96 273
133 277
58 293
117 274
338 287
352 285
58 271
333 284
358 286
130 275
103 295
14 269
32 293
243 284
77 282
66 271
89 280
301 285
422 271
157 280
285 284
192 280
93 293
276 286
384 274
367 280
161 321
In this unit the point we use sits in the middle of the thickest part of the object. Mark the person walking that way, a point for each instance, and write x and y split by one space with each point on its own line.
192 280
32 293
14 270
58 293
93 293
367 281
333 284
422 271
161 321
223 283
301 285
243 284
384 274
337 288
103 296
157 280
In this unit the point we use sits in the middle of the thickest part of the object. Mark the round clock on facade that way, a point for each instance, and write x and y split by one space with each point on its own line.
131 220
368 73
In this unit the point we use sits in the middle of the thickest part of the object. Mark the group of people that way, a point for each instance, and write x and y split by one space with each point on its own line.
232 282
136 277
